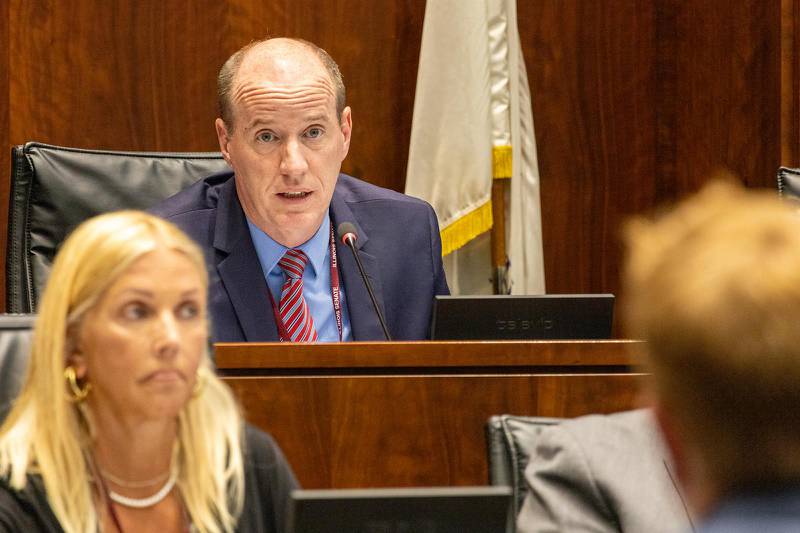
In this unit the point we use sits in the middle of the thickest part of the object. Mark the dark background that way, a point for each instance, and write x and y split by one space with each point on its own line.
635 103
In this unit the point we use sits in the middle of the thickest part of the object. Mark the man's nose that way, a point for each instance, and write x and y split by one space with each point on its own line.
293 160
167 337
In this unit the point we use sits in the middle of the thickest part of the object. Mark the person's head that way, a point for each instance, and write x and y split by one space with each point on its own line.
714 288
125 309
226 75
135 337
285 130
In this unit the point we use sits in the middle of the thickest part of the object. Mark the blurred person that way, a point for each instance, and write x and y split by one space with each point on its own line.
714 288
268 227
121 424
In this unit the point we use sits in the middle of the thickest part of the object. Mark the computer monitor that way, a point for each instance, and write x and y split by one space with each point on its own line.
409 510
547 316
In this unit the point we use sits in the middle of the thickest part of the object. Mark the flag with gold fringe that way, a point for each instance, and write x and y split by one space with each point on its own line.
472 124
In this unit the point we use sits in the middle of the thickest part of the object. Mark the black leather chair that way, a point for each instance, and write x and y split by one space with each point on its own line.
53 189
789 182
510 441
15 341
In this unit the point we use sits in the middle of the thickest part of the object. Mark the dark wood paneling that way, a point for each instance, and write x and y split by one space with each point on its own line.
790 83
636 104
592 74
422 355
726 101
5 142
413 414
116 75
379 431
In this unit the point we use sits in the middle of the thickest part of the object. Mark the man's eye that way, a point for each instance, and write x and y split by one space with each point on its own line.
188 310
266 136
314 133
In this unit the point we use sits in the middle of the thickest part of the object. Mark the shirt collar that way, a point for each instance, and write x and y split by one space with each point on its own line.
270 252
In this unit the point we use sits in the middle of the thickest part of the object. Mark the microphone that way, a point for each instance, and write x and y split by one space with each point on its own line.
347 233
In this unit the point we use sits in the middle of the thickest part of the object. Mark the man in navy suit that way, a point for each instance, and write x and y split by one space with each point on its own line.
284 129
714 289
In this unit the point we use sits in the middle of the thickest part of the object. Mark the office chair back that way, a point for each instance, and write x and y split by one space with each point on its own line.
511 440
54 188
15 343
789 183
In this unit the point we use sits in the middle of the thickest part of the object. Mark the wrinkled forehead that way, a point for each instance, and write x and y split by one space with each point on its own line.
290 76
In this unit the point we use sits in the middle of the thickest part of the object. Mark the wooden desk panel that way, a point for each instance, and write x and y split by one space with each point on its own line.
413 414
358 357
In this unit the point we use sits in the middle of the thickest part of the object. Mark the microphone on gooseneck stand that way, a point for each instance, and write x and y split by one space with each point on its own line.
346 232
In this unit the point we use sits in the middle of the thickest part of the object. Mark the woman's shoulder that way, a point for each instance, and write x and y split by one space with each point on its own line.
261 451
26 509
269 481
259 446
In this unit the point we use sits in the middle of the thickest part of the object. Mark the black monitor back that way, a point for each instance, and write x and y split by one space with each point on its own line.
540 317
410 510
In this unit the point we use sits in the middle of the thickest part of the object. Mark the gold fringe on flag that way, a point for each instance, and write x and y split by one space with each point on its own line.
501 162
466 228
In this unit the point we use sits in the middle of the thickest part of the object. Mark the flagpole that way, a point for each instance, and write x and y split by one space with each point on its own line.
498 236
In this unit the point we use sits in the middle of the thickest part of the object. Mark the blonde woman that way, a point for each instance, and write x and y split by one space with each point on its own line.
121 425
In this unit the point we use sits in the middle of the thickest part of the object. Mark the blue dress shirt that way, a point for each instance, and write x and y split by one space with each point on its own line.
316 278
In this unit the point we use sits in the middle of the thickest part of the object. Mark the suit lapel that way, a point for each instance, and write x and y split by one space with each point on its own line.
363 320
240 270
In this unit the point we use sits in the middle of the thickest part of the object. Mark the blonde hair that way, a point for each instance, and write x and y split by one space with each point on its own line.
47 435
714 288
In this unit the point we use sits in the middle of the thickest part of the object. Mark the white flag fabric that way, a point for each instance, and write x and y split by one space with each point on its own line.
472 123
524 242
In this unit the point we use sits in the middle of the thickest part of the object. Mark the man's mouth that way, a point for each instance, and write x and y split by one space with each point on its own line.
294 195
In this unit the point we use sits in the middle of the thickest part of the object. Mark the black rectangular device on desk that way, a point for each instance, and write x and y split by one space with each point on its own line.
540 317
407 510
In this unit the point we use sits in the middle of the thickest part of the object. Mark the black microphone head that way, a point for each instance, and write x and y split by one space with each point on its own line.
346 231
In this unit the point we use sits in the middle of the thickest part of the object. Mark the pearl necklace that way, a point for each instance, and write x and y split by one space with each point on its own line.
141 503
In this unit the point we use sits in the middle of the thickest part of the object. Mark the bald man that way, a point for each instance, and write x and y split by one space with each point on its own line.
268 227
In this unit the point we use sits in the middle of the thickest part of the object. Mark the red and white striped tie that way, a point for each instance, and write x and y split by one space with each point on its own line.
296 317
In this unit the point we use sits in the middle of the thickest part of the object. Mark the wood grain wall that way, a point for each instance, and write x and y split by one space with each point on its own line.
635 102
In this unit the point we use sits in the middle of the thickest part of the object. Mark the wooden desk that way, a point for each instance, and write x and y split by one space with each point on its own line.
378 414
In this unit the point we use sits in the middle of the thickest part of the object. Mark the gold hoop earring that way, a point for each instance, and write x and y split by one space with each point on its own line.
76 393
199 383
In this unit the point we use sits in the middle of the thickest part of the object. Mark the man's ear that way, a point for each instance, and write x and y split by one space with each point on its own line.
223 138
346 126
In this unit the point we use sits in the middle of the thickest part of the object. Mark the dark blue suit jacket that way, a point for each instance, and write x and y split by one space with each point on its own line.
398 241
